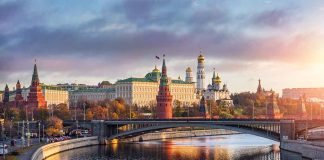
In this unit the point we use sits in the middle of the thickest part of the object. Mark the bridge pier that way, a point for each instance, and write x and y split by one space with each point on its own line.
287 130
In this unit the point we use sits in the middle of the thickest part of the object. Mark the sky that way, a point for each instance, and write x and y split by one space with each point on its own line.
82 41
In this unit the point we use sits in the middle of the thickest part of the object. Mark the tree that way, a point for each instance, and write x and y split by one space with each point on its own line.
41 114
89 115
62 111
13 113
54 126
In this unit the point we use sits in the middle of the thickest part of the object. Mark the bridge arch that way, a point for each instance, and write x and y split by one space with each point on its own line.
253 131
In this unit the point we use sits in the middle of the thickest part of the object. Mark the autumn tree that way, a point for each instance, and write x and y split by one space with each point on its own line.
62 111
54 126
41 114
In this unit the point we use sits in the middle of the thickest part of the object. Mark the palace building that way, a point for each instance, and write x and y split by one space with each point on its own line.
143 91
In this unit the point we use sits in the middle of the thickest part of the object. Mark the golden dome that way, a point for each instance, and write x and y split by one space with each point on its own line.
155 70
188 69
218 79
201 58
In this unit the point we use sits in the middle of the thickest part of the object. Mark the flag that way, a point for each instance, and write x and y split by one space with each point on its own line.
157 57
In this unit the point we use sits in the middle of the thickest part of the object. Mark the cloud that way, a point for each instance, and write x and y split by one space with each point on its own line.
129 34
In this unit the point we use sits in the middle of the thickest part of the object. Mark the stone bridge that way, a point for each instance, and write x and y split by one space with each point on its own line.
273 129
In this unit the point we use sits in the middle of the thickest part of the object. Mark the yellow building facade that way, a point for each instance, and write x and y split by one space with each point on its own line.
143 91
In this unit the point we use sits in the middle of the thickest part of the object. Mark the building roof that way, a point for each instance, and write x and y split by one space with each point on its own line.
105 83
95 90
136 80
50 87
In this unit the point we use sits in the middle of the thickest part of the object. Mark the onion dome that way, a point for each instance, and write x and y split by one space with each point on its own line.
155 69
201 58
188 69
218 79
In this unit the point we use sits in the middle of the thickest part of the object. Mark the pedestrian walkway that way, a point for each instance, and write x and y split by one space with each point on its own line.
28 154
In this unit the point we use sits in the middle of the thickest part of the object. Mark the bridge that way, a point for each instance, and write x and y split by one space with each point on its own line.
273 129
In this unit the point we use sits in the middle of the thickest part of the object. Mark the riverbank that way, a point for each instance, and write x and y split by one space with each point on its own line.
179 134
57 147
302 149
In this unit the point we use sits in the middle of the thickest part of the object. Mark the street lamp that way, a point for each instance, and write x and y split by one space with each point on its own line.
84 111
39 132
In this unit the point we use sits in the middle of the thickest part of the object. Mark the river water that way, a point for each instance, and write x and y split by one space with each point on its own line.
227 147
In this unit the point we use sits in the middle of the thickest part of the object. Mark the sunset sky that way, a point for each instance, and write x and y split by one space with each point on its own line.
83 41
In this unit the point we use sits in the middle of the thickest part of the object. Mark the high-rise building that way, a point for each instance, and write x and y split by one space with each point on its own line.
35 97
164 97
201 74
189 75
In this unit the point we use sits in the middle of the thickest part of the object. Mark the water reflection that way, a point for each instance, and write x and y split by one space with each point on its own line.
205 148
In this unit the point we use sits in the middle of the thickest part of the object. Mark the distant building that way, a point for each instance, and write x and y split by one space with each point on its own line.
105 84
262 93
189 75
90 94
74 86
1 96
310 93
215 92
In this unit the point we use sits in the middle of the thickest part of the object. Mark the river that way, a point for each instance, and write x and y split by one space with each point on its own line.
227 147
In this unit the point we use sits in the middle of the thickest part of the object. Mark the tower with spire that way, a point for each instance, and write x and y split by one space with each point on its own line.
301 108
18 96
259 90
203 110
35 97
164 97
6 95
201 73
273 110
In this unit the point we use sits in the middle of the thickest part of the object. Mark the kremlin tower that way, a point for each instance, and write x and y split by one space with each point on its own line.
164 98
259 90
35 97
201 73
6 95
273 110
301 108
18 96
203 111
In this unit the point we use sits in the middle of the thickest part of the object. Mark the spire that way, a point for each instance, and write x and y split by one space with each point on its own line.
214 74
164 69
259 90
18 86
6 88
35 78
